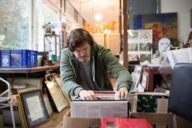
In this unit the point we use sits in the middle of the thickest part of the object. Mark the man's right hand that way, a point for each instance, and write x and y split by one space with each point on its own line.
87 95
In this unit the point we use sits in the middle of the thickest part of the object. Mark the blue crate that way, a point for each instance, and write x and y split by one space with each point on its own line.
26 58
34 60
16 58
20 58
5 58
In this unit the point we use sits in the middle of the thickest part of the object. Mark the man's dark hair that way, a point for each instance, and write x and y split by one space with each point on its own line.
78 37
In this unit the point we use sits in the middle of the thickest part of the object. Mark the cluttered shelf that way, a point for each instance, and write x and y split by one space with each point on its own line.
29 70
155 71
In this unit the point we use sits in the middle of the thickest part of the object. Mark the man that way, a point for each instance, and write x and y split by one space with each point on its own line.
85 67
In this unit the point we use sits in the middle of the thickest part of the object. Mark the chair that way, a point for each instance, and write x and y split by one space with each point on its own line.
180 102
5 98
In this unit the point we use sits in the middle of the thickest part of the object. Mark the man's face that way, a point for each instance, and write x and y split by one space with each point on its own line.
83 52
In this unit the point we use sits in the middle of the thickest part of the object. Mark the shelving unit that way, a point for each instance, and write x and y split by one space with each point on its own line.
14 73
28 70
52 43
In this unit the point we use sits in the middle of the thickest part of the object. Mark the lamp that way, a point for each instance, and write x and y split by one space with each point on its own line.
98 17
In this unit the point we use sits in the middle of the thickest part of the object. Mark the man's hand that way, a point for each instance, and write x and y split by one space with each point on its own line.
122 93
87 95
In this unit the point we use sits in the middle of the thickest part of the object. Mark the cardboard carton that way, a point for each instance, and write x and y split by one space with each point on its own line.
162 120
154 102
182 123
158 119
70 122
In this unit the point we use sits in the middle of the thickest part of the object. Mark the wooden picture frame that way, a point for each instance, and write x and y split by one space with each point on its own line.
34 107
60 100
57 95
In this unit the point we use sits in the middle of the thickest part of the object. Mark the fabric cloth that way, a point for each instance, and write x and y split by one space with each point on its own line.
87 81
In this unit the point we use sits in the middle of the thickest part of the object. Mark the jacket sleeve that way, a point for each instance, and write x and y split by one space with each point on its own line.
67 74
118 71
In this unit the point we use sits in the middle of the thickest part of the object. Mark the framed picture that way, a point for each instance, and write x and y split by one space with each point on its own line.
60 100
34 107
57 96
162 24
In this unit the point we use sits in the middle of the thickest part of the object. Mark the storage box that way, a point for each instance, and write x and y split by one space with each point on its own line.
20 58
161 120
98 109
158 119
71 122
183 123
149 102
34 60
5 58
26 58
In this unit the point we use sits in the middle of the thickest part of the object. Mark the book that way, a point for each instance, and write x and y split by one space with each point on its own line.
119 122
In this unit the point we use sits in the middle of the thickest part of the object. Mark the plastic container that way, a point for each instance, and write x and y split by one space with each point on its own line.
20 58
34 60
5 58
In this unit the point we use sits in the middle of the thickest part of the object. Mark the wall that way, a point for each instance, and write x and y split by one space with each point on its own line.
110 41
182 7
136 7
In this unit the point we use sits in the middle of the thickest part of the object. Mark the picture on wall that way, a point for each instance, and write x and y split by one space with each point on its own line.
139 45
163 25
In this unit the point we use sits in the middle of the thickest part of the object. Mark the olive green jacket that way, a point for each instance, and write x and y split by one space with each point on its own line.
103 63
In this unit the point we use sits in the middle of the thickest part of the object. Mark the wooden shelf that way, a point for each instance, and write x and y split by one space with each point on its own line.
29 70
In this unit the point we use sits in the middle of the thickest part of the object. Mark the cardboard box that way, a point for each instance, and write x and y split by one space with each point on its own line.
149 102
98 109
158 119
161 120
70 122
183 123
